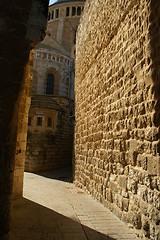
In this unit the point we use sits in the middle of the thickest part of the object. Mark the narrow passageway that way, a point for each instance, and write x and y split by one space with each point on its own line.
54 209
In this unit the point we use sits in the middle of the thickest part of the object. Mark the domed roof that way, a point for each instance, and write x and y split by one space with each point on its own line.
50 44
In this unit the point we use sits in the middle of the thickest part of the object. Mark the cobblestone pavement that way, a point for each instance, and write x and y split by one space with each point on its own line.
54 209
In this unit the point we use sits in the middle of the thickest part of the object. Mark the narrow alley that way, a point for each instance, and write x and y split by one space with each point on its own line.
54 209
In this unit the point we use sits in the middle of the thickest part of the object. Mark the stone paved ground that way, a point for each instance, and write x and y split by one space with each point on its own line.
54 209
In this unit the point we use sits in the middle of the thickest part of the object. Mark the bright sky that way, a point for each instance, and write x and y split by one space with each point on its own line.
52 1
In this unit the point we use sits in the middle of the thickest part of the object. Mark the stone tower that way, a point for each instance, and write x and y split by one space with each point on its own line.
50 130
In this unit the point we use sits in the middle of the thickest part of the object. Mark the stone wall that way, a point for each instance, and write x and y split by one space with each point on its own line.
23 105
22 26
50 147
117 106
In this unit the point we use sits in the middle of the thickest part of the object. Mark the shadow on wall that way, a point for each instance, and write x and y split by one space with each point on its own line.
62 174
33 221
154 31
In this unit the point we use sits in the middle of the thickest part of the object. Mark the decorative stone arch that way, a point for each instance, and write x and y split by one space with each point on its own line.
52 72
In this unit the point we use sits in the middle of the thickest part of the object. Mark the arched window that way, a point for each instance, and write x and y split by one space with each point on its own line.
50 84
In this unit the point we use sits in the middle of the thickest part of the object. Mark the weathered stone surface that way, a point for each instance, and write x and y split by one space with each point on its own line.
22 26
49 147
51 115
118 108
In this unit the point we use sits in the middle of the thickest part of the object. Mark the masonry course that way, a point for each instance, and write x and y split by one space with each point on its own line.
117 110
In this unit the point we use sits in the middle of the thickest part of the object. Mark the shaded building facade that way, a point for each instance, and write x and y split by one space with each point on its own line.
50 127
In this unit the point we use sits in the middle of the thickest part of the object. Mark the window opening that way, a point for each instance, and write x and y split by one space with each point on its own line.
52 14
57 13
79 11
73 11
50 84
67 11
39 121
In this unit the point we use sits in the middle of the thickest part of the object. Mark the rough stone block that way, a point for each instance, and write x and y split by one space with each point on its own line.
125 203
122 181
152 163
144 207
146 226
142 192
151 134
132 145
132 157
136 220
113 186
142 161
154 214
127 103
132 185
